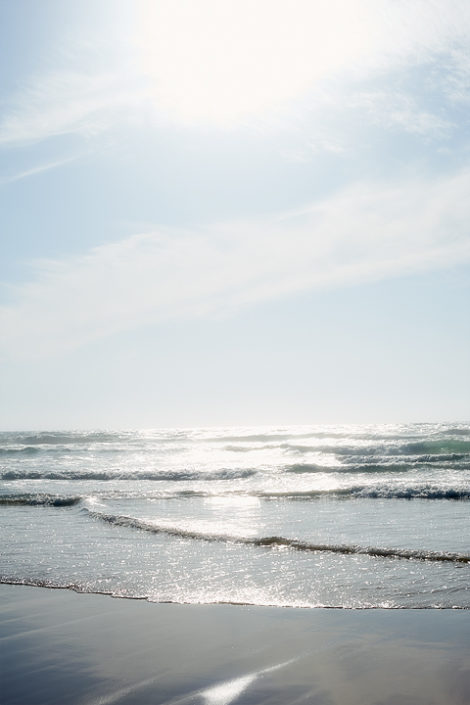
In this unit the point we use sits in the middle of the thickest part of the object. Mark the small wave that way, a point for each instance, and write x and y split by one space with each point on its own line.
300 468
440 458
458 431
249 449
25 450
341 493
404 459
39 500
51 438
51 584
314 434
355 492
279 541
376 449
411 492
104 476
436 447
374 492
429 449
257 437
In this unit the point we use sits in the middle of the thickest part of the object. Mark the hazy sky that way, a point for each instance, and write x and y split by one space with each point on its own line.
242 212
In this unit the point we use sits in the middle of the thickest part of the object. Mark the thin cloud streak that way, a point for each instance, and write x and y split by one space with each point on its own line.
37 170
363 234
65 102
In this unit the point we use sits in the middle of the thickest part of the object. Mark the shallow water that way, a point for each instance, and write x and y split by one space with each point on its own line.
356 516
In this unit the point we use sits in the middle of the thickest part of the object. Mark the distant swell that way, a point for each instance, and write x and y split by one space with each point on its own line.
62 438
280 541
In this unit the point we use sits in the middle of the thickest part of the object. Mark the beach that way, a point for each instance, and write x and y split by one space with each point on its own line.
57 646
319 565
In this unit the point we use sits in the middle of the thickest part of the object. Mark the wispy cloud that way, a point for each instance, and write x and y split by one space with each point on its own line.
402 111
34 171
365 233
65 102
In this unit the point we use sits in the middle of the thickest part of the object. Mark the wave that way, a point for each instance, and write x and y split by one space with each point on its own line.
278 541
154 476
385 492
423 492
25 450
459 431
412 460
55 437
51 584
436 447
428 449
301 468
250 449
355 492
86 588
39 500
347 434
258 437
374 492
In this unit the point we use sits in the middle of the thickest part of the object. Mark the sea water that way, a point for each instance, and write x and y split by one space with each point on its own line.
333 516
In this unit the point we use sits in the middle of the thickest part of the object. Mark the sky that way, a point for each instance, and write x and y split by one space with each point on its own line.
234 212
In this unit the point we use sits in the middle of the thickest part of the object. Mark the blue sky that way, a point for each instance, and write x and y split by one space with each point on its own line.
219 213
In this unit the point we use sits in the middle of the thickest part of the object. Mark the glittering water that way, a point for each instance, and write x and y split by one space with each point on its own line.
356 516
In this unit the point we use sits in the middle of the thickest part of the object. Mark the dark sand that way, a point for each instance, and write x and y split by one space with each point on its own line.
60 647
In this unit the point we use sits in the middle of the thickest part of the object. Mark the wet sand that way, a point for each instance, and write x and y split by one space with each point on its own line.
61 647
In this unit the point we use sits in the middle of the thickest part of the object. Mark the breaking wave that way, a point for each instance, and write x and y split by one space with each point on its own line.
278 541
385 491
106 475
355 492
376 492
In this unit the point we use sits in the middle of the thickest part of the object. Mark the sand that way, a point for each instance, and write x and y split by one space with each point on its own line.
57 646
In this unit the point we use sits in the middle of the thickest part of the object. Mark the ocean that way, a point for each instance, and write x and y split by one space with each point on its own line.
308 516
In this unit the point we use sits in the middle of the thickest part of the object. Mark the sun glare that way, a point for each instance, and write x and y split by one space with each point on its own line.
219 61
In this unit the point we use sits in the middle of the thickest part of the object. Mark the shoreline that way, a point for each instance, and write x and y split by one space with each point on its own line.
58 645
78 591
